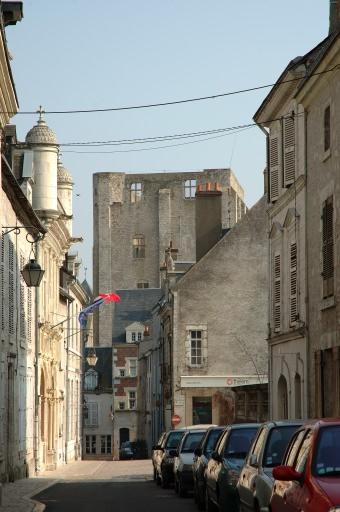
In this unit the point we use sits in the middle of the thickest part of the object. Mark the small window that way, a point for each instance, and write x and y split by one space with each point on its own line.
133 336
121 406
142 284
138 246
135 192
327 128
91 380
189 189
121 373
196 358
132 399
139 336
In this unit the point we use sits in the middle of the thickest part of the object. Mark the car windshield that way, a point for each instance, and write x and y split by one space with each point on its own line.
276 445
191 441
212 440
327 457
239 443
126 444
173 440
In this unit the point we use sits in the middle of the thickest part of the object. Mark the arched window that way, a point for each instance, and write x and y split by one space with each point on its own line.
282 389
91 380
138 246
297 393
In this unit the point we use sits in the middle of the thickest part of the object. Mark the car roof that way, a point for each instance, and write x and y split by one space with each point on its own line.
195 431
235 426
321 422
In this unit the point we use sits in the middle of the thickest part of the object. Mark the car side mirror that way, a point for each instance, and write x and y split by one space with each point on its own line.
198 452
173 453
253 460
287 474
216 456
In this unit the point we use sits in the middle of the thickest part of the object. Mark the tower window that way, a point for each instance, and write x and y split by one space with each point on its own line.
189 189
138 246
135 192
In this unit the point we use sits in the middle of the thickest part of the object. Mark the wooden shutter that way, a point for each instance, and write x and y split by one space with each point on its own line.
22 301
11 309
29 316
289 150
277 293
293 284
274 168
327 248
2 282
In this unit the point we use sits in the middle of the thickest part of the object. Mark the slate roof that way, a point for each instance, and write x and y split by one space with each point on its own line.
135 306
103 366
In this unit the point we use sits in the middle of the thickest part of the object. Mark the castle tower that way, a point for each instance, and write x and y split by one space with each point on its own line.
65 188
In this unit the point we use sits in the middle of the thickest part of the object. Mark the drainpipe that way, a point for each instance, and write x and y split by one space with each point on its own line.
306 273
67 387
36 444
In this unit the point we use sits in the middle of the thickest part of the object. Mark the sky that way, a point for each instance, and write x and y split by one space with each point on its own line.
77 54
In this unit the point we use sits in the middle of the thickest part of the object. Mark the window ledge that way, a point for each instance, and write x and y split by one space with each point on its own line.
326 155
327 303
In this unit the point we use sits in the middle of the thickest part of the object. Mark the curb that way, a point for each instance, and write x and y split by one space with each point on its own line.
37 506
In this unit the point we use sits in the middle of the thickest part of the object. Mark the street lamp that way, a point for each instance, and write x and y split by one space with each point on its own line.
32 272
91 357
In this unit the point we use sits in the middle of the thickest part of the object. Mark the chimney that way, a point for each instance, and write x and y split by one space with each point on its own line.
334 16
208 217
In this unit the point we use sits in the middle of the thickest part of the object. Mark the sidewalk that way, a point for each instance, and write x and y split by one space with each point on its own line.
16 495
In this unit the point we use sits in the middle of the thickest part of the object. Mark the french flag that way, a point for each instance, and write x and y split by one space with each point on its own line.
103 298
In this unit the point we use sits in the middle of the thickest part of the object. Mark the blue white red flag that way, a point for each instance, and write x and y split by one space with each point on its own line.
103 298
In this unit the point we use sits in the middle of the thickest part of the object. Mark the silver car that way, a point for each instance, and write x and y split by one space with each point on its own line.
256 478
184 458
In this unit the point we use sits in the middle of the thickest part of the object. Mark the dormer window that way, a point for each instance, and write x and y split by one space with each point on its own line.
133 336
135 192
189 189
91 380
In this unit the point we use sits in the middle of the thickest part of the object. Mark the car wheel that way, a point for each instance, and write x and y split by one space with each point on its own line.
154 474
200 499
181 492
209 505
164 482
176 485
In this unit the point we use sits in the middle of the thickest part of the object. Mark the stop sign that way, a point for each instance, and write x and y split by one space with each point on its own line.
175 419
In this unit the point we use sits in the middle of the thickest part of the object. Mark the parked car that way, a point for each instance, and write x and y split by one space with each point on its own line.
256 479
164 462
225 464
125 451
184 457
309 478
202 455
155 454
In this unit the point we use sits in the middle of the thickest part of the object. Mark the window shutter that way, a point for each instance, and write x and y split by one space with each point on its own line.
277 293
92 420
289 151
11 314
327 248
22 301
2 282
293 283
29 315
274 168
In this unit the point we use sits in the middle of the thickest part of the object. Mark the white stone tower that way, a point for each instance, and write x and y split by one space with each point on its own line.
65 188
43 141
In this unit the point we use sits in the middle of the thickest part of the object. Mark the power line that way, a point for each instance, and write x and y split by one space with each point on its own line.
161 147
175 102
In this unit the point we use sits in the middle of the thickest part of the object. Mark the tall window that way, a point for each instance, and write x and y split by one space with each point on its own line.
189 189
196 358
133 367
91 380
90 444
132 399
327 248
282 398
135 192
105 444
92 414
327 128
138 246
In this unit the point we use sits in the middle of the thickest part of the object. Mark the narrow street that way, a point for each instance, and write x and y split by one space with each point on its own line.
106 486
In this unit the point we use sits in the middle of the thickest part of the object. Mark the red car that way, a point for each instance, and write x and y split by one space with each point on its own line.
309 478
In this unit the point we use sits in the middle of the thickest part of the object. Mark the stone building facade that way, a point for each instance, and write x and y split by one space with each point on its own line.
213 325
302 191
135 217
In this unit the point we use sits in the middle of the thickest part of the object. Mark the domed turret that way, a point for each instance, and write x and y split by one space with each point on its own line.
43 142
65 186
